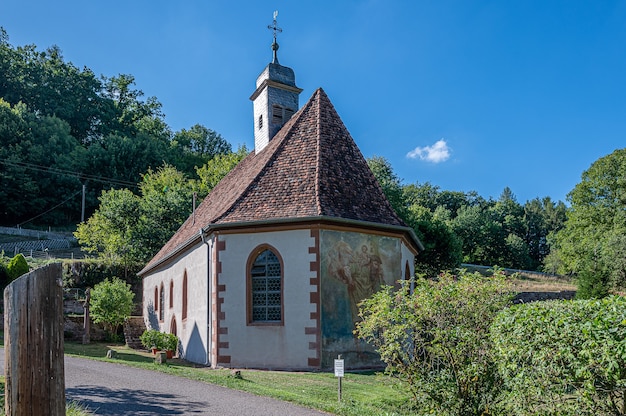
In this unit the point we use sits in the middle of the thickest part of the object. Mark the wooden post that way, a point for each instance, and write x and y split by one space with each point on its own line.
33 343
86 319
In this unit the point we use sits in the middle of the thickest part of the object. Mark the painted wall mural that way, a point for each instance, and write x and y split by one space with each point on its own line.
354 266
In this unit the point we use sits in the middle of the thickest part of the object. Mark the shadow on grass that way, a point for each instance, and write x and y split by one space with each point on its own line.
110 401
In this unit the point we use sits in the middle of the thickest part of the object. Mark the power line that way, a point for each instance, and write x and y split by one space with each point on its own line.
59 171
51 209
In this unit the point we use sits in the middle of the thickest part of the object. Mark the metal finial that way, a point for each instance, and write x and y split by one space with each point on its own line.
274 27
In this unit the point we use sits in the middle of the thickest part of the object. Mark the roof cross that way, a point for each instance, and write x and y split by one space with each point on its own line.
274 27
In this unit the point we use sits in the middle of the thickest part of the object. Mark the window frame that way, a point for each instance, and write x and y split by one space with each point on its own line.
171 294
161 303
254 254
184 297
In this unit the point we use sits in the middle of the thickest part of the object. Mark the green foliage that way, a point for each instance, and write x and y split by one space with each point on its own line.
170 342
435 338
442 247
61 128
87 273
592 244
17 267
111 303
563 357
151 338
130 229
215 169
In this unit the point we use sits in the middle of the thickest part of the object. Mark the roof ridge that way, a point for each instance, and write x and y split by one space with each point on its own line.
318 127
272 149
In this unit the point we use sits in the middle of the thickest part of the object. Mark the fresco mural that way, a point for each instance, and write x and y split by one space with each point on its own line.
354 266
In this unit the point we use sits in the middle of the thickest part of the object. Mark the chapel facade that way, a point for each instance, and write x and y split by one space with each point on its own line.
268 271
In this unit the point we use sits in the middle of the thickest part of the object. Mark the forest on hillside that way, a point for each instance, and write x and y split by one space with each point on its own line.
62 128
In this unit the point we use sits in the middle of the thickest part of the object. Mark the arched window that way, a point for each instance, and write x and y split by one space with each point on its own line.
171 294
173 326
184 312
161 304
265 287
156 298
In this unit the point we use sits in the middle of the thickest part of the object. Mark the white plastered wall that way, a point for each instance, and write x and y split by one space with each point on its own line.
193 331
270 346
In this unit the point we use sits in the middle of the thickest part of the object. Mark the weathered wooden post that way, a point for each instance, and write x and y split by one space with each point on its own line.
86 319
33 342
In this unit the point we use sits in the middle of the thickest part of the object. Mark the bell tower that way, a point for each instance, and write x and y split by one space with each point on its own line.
276 97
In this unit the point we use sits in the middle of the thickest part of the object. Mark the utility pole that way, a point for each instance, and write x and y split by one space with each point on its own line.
82 215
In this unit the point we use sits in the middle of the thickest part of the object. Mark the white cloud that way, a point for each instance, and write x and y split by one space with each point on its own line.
437 153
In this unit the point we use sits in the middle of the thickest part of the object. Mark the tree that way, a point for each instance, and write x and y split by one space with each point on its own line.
196 146
435 338
595 223
212 172
131 228
389 182
442 247
563 357
111 303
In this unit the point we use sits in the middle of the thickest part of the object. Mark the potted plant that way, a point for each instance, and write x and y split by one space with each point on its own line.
169 344
151 340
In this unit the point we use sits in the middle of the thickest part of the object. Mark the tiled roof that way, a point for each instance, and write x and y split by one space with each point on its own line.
311 168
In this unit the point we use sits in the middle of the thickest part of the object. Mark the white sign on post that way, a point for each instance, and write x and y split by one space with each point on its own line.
338 368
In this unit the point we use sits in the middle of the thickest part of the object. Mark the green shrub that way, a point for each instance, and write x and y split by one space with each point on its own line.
170 342
111 303
151 338
563 357
17 267
435 338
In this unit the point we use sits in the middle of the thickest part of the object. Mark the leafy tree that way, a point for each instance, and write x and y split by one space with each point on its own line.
17 267
196 146
596 222
111 303
435 338
215 169
389 182
563 357
442 246
542 218
109 232
131 228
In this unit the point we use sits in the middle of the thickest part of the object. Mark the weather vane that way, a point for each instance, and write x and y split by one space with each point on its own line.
274 27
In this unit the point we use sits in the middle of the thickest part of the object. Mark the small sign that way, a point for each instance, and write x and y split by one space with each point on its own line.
338 368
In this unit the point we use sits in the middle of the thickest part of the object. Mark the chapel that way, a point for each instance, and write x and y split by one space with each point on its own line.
269 269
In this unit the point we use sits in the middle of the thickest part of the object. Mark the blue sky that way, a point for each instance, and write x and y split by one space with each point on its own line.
467 95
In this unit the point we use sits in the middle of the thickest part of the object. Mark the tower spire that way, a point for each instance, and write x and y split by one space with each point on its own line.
274 27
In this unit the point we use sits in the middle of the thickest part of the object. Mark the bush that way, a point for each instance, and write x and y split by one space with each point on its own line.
435 339
111 303
17 267
170 342
151 338
563 357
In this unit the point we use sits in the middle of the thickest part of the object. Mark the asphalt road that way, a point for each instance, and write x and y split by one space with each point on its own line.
114 389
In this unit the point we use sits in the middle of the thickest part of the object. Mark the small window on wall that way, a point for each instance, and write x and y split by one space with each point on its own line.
260 121
265 287
161 304
288 113
156 298
171 294
184 312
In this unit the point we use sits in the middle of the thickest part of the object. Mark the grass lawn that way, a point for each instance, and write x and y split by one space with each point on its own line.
363 394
